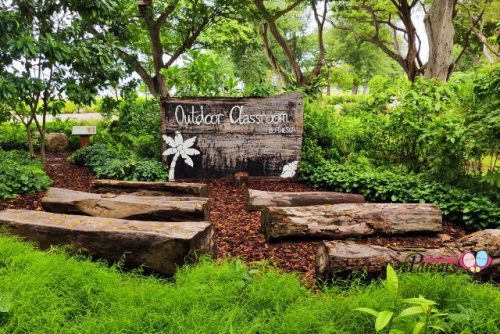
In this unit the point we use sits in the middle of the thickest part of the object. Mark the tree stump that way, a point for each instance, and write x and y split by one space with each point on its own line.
240 179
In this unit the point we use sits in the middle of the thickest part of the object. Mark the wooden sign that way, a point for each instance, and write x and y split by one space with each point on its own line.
83 130
215 137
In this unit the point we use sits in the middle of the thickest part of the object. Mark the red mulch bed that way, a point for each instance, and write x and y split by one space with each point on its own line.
237 231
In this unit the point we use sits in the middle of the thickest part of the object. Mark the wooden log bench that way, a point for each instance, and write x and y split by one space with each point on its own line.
344 257
142 188
161 247
157 208
257 199
339 221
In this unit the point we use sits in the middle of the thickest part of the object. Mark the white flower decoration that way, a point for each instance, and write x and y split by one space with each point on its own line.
289 170
179 147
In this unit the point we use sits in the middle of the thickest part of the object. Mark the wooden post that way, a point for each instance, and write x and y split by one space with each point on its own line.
84 141
240 179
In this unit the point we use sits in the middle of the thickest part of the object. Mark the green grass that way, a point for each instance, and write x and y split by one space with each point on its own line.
55 293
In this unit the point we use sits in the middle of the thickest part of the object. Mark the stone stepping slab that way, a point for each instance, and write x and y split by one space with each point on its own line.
151 188
345 220
257 199
161 247
157 208
344 257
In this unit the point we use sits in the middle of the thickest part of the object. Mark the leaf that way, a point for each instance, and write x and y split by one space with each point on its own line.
396 331
418 327
170 150
188 160
411 311
189 142
178 138
4 304
169 140
419 301
391 280
367 310
383 320
191 151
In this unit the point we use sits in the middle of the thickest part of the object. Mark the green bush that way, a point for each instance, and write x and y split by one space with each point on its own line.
118 163
54 293
397 184
13 137
444 130
19 174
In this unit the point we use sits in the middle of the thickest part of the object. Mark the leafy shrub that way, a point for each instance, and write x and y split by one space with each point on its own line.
118 163
428 126
19 174
399 185
56 293
13 137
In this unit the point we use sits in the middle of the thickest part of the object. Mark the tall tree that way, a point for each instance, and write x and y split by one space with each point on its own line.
390 25
152 40
47 57
269 14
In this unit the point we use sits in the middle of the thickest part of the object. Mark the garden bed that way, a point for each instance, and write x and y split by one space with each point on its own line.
237 231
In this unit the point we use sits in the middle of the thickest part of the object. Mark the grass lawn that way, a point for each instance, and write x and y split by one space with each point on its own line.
51 292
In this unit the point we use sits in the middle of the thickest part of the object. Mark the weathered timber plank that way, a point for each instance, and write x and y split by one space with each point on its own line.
344 257
349 220
159 246
257 199
156 208
151 188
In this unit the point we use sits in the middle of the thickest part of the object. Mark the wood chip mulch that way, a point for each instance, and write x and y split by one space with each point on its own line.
237 231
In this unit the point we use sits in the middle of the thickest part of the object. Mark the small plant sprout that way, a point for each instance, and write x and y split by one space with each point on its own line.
179 147
425 314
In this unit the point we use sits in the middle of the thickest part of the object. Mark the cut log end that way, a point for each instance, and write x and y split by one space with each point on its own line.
322 262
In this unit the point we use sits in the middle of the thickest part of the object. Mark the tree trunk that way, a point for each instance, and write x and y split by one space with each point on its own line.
161 247
354 90
150 188
156 208
344 257
349 220
440 33
257 200
29 134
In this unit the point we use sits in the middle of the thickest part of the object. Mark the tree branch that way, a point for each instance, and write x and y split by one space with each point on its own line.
270 56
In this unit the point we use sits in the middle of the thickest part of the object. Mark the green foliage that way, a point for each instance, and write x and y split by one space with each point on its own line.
13 137
57 293
19 174
118 163
427 316
203 74
428 126
137 127
384 184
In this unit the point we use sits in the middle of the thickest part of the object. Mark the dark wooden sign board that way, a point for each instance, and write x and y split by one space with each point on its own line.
220 136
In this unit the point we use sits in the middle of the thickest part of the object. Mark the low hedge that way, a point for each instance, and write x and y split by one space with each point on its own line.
19 174
380 184
109 162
